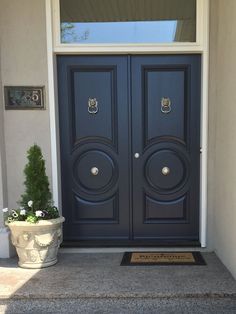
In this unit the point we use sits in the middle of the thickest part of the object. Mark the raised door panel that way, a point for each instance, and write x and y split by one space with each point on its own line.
94 83
164 84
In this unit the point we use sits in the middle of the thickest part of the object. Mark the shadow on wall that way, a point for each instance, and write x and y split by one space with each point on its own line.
96 283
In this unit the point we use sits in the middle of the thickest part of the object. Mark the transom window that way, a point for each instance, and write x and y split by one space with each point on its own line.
127 21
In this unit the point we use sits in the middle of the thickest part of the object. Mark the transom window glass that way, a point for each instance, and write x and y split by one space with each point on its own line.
127 21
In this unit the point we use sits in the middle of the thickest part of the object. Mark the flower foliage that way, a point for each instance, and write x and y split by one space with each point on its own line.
36 203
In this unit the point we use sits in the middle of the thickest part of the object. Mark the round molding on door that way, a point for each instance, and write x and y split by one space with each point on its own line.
166 171
95 171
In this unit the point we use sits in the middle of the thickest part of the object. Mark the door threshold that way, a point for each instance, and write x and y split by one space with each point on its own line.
130 249
128 244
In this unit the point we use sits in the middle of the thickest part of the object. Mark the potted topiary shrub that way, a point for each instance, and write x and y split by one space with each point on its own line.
36 226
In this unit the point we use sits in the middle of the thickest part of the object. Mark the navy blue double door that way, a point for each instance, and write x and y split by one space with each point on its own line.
130 147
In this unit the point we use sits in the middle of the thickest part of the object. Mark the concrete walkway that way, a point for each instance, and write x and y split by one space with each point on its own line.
96 283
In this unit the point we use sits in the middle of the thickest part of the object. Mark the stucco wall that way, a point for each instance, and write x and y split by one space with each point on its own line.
23 62
222 135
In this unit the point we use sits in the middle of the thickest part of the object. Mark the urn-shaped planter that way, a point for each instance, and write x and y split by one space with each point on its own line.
37 243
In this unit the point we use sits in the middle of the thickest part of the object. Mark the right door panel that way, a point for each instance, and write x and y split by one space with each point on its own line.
165 134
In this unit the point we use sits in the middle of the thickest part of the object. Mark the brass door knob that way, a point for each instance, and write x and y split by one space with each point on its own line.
94 171
165 171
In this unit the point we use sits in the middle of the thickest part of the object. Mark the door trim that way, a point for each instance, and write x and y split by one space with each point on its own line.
53 102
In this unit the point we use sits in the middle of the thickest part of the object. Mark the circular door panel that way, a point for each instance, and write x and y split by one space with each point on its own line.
94 171
165 170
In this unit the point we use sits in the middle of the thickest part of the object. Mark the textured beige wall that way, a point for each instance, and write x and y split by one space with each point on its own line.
23 62
222 135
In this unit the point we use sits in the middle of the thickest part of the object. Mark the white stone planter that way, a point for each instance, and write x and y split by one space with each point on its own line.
37 244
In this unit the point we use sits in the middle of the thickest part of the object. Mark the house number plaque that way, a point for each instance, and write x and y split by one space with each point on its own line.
24 97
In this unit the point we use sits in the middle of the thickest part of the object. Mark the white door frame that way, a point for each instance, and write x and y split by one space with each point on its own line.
54 47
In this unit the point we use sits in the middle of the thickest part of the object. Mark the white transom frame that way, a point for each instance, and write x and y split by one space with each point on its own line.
55 47
180 47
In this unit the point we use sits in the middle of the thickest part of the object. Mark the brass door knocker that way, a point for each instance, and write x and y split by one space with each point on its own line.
92 105
165 105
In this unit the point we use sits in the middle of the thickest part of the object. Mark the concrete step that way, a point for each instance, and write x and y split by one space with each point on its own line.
96 283
122 306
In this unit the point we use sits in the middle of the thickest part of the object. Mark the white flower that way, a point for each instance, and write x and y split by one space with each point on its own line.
23 212
30 203
39 213
5 210
14 214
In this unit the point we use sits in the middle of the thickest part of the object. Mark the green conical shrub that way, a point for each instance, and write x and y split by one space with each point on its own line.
36 181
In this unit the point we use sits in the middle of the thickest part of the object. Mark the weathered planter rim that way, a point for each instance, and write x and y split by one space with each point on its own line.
46 222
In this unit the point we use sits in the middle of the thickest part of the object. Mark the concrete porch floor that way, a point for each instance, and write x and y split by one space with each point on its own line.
96 283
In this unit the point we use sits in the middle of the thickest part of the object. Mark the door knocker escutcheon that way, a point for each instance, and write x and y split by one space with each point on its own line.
92 105
165 105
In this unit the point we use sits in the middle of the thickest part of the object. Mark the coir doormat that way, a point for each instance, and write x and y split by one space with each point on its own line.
162 258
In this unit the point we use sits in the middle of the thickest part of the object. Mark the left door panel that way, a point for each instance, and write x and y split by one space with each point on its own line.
94 142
